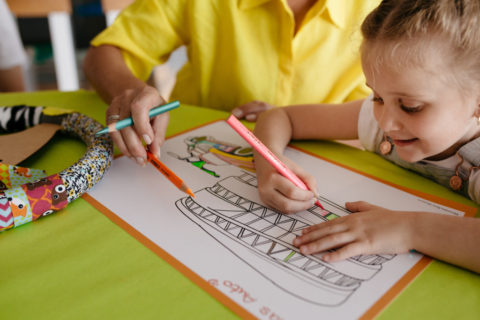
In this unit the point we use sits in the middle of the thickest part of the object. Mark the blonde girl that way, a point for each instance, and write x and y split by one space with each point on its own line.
421 60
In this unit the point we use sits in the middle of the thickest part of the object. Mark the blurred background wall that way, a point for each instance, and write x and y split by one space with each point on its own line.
56 42
87 20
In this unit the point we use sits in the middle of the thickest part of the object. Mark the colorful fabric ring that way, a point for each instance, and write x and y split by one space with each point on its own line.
29 201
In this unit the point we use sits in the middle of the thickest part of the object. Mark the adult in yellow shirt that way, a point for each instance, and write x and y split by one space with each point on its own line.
243 55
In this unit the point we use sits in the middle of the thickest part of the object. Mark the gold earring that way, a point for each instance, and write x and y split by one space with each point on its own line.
455 181
385 146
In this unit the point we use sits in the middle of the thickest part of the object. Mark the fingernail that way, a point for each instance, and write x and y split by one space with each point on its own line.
147 139
237 113
251 117
157 154
140 161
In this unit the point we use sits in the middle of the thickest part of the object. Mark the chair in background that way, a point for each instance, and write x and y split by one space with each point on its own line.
58 13
163 76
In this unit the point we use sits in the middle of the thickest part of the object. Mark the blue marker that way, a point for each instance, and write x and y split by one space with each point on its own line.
115 126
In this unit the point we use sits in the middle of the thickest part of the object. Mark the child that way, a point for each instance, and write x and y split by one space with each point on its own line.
421 60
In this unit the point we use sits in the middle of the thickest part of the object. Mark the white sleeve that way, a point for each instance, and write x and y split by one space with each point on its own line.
474 186
11 49
369 133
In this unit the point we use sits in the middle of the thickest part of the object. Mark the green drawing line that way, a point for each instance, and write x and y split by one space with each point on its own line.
289 256
331 216
200 164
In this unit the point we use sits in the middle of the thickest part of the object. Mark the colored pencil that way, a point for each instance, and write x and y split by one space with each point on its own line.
169 174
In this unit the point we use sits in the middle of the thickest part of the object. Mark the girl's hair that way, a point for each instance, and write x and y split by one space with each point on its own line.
403 29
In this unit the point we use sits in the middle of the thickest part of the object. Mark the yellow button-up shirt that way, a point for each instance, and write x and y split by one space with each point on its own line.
244 50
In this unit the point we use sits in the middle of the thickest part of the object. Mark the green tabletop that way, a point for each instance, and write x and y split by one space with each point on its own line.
77 264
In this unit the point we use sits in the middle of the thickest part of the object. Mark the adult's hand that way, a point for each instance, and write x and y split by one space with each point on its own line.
136 103
250 111
127 96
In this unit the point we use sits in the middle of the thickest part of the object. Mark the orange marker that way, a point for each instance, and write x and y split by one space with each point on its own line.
169 174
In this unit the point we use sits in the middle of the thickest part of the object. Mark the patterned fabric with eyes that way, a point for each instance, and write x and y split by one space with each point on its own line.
27 194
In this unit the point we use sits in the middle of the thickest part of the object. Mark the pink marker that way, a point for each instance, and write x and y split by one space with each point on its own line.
267 154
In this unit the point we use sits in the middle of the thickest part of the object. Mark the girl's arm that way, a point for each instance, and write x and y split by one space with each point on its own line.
452 239
325 121
280 125
372 230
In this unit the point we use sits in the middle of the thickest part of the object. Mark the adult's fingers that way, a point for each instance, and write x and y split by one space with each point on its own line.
112 115
118 141
134 145
159 125
251 110
146 99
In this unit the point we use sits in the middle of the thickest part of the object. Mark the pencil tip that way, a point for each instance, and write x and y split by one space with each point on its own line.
187 190
319 205
101 132
190 192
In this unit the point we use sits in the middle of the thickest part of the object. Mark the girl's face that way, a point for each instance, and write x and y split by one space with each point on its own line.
425 116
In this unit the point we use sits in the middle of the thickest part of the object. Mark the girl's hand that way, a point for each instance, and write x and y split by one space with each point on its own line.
278 192
251 111
369 230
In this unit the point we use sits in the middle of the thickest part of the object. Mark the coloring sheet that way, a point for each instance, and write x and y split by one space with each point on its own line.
230 239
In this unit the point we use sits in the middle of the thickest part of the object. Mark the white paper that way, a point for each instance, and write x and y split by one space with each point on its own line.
227 237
